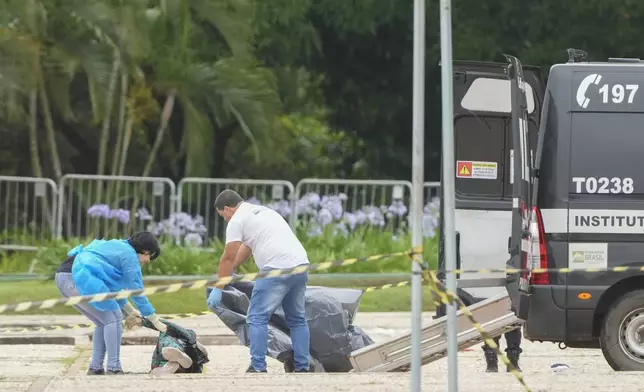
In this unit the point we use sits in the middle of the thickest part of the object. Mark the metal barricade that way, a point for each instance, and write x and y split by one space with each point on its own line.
27 212
431 191
431 208
350 203
196 198
101 206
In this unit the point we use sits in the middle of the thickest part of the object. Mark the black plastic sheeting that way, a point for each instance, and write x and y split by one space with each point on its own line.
330 313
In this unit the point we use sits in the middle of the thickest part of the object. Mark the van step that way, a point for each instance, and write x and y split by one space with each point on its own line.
493 314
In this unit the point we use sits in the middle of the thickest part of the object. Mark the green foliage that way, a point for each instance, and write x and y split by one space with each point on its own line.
339 71
300 145
192 261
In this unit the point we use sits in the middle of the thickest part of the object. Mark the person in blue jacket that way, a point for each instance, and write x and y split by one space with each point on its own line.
107 266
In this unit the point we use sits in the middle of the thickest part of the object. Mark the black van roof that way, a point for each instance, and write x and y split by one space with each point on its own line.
597 86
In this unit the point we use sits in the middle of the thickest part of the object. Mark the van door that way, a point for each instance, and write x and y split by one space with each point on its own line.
522 178
486 135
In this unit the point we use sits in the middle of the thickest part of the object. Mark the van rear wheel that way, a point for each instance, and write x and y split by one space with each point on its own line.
622 333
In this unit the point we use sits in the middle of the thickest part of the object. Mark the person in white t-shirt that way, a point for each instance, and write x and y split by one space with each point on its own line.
262 231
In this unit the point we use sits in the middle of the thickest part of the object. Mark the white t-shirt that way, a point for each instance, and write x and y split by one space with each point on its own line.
268 235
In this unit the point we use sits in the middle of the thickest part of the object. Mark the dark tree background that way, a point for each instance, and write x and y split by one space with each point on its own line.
257 89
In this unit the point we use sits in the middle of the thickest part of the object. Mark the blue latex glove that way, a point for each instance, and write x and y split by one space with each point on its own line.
214 299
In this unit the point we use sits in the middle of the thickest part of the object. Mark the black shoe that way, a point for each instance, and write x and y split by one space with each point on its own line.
492 361
95 372
251 369
513 356
114 372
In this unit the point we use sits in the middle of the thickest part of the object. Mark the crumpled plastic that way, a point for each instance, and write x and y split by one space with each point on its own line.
330 313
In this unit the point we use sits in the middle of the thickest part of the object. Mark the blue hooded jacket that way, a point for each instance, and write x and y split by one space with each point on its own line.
108 266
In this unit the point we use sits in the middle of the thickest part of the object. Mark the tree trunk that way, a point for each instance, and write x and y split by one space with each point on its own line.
49 127
105 130
35 157
168 106
122 114
33 134
113 189
127 136
222 137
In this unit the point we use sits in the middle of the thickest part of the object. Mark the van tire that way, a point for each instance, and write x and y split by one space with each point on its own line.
614 353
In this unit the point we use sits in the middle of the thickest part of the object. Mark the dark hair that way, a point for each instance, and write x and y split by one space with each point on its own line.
227 198
144 241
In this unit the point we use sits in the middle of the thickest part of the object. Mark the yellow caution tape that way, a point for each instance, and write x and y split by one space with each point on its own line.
60 327
71 301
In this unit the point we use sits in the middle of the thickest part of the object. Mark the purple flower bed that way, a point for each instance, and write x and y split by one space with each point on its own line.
320 212
315 213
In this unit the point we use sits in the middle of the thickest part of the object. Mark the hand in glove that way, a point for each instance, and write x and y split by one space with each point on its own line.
130 310
154 319
132 322
214 299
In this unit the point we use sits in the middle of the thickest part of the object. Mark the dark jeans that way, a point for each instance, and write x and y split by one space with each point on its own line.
512 341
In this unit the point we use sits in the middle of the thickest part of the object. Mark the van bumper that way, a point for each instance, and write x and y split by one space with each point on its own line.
544 319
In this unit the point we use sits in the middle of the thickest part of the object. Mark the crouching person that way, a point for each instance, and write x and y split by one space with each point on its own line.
105 266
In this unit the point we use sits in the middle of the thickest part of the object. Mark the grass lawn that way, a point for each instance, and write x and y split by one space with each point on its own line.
187 301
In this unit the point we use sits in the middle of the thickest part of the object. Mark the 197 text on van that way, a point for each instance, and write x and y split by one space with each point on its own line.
619 92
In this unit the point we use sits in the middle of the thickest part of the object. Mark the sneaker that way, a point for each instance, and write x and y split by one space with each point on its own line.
251 369
172 354
303 370
170 367
114 372
95 372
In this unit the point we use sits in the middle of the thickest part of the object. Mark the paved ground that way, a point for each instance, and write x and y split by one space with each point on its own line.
58 368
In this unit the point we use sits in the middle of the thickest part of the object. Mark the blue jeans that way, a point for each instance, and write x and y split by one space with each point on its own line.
268 294
109 327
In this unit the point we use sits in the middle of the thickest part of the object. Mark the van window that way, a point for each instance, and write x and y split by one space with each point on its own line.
607 155
484 138
479 144
493 95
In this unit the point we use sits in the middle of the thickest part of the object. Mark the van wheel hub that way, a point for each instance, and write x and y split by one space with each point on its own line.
631 331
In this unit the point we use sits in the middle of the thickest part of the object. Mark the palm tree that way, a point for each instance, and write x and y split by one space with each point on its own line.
217 83
62 46
18 91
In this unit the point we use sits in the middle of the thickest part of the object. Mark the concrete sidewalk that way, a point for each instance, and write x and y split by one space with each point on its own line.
211 330
62 369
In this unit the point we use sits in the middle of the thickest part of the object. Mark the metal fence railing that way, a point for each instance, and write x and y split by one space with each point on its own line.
352 203
27 212
33 210
196 198
431 191
104 206
431 207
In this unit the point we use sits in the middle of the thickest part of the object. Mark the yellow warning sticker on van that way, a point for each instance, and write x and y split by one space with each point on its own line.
477 169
